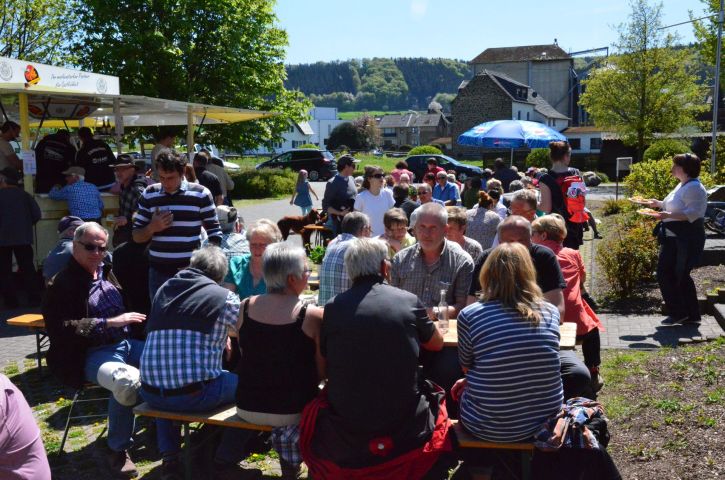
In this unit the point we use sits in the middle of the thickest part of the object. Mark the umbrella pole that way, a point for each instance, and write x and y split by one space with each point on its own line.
512 157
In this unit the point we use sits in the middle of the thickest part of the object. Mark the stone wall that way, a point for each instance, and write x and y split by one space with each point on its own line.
482 100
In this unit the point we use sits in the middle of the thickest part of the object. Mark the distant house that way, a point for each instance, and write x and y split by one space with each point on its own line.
585 140
413 128
493 95
322 121
296 135
547 69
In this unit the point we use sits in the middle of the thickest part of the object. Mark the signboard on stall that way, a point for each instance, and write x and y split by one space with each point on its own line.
29 165
38 76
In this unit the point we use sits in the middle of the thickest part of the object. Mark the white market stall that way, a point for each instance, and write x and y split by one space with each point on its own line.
37 95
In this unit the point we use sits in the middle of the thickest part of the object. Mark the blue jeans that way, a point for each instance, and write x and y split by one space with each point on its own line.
218 392
158 277
306 210
120 418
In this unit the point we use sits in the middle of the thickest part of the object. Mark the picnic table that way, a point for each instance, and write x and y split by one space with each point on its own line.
566 329
36 324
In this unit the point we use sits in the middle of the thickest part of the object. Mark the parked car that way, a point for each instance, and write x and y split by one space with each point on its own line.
418 164
320 164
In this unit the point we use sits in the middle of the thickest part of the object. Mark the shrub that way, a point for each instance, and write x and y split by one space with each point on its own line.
308 145
613 207
720 161
349 134
267 182
425 150
405 148
317 254
628 256
603 177
652 179
538 157
665 148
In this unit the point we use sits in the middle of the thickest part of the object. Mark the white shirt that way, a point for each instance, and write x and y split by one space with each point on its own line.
375 206
6 151
689 198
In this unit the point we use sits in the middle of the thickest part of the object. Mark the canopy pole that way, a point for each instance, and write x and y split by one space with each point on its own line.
25 137
512 158
117 124
189 133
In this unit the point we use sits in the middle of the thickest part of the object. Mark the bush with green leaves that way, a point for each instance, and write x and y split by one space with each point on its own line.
652 179
719 178
603 177
665 148
405 148
317 254
628 256
264 183
538 157
613 207
308 145
425 150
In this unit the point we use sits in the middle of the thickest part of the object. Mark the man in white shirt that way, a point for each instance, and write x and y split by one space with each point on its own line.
8 158
165 140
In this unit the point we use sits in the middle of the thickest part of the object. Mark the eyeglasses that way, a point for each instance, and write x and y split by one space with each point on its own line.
377 175
423 192
91 247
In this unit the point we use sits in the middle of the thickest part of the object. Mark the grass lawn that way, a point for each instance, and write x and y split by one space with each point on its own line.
373 113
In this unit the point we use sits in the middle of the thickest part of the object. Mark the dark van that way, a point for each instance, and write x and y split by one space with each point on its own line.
320 164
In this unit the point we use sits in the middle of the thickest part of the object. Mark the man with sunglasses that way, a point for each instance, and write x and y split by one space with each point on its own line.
90 341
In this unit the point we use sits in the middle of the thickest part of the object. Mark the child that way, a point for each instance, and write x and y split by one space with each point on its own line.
301 197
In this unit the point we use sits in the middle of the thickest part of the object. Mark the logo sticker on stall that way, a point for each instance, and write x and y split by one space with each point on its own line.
6 71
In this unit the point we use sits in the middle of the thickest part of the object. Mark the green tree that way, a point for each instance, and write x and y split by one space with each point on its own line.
383 79
223 52
36 31
667 147
349 135
538 157
706 33
646 87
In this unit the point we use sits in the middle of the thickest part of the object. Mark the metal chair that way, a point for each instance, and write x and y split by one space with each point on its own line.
77 400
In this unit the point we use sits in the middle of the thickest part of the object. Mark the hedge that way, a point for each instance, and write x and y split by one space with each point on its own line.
425 150
264 183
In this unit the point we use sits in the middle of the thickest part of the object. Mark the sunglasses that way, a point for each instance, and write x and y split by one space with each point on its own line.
377 175
90 247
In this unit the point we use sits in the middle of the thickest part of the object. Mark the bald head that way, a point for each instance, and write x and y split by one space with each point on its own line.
515 229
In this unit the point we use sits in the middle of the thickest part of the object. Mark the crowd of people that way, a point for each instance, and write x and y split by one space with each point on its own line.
220 321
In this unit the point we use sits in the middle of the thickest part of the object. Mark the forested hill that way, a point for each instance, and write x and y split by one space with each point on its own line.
379 83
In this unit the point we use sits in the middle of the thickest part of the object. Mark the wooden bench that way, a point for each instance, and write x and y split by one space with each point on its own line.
36 324
225 417
467 441
567 331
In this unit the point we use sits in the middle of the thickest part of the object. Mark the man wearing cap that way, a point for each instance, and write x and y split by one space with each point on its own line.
340 192
96 157
132 186
53 155
8 158
18 213
84 200
234 240
58 258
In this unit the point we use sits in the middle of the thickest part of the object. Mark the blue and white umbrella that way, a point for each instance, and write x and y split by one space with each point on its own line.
510 134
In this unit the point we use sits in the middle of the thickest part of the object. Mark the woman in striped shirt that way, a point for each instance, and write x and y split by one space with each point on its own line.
508 345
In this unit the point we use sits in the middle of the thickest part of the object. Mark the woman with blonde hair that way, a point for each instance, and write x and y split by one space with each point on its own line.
508 345
550 231
302 197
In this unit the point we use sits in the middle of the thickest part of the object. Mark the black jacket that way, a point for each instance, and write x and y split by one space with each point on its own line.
65 311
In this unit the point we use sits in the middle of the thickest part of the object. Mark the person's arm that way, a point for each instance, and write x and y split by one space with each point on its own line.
312 327
430 337
146 224
15 161
545 202
58 193
100 203
312 191
35 212
556 298
292 199
218 200
210 220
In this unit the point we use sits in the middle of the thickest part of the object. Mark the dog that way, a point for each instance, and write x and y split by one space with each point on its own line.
297 223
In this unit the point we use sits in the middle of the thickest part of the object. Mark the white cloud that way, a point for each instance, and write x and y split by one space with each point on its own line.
418 8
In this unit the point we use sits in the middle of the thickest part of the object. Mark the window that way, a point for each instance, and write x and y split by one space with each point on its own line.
595 144
388 132
518 115
575 143
527 115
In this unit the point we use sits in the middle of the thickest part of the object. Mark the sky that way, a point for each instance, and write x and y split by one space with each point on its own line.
325 30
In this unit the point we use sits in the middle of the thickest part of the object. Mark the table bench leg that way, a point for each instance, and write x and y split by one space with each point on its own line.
37 349
187 451
526 464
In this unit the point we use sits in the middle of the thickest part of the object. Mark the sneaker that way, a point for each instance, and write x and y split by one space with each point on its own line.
171 469
670 321
597 382
121 464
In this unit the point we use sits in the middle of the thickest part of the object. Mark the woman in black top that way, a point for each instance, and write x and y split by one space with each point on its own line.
280 365
552 200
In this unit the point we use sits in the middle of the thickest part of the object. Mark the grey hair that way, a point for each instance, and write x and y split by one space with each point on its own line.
86 227
526 195
363 257
278 262
513 221
435 210
212 262
516 185
354 223
267 228
424 186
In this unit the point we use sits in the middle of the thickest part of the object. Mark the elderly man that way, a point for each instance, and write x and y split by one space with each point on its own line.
574 375
371 337
18 213
88 327
445 191
431 266
58 258
84 200
425 195
96 157
192 313
132 186
340 192
523 204
234 239
170 215
333 275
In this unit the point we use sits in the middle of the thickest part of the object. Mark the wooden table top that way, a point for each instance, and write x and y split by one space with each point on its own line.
32 320
566 329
